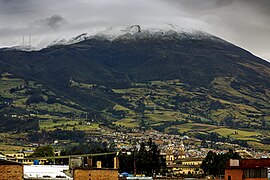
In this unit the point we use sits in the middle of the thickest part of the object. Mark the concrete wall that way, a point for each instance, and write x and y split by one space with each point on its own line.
95 174
11 172
236 174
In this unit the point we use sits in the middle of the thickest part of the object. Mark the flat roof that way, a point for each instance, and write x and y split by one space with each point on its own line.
249 163
48 171
6 162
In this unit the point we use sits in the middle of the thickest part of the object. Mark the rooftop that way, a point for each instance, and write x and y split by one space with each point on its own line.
248 163
6 162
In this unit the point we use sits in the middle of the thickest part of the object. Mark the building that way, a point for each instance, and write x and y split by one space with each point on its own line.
23 157
170 156
182 153
10 170
245 169
98 173
44 172
178 163
95 174
186 166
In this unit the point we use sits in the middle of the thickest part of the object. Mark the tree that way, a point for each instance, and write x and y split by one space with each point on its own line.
204 143
147 160
214 164
156 161
264 124
51 100
43 151
35 98
209 164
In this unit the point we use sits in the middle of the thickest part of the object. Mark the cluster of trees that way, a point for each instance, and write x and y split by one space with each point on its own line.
17 124
35 98
89 147
45 136
145 160
214 164
38 98
117 113
43 151
266 140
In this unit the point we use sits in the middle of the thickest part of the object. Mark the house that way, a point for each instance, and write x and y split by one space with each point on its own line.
22 157
10 170
244 169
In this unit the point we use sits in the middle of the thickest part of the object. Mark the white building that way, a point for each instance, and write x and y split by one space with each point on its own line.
46 172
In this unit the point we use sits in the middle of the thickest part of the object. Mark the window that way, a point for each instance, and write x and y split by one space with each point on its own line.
255 173
229 178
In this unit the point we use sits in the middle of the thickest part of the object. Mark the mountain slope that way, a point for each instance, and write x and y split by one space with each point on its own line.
156 77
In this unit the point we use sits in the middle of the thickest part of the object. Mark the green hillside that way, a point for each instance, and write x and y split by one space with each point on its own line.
173 83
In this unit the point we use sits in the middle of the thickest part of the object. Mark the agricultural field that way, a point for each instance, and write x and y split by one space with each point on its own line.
168 106
64 124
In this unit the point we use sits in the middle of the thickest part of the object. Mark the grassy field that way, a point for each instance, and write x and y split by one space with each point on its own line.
238 134
259 146
66 124
193 127
7 83
118 107
159 102
129 123
252 137
56 107
11 148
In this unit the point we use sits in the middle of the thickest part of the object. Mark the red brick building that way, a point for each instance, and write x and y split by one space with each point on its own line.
247 169
95 174
10 170
98 173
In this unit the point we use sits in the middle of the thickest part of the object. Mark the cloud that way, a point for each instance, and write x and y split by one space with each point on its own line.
243 22
53 22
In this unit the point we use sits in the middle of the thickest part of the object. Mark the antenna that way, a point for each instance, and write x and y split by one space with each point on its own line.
29 40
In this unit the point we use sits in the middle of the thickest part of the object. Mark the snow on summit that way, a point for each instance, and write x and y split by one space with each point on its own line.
134 31
123 32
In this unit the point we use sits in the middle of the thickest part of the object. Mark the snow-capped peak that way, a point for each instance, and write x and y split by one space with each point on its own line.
134 31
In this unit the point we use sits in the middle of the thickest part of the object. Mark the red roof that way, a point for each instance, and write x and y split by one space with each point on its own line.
250 163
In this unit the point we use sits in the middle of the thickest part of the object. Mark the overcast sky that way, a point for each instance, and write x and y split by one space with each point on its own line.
243 22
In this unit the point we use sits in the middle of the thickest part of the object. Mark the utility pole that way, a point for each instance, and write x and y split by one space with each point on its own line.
29 41
23 41
134 163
